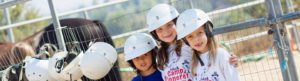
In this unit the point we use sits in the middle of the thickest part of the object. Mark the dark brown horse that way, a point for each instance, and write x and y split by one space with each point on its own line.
78 33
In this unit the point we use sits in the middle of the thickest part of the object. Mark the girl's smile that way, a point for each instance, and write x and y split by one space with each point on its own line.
167 32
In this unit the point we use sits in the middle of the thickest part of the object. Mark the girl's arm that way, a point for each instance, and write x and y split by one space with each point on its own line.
229 71
233 60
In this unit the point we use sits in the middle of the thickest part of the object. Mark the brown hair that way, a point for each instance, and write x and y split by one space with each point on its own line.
163 55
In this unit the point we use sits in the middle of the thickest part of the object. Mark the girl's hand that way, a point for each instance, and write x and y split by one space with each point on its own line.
233 60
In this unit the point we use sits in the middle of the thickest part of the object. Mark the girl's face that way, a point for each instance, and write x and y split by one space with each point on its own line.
167 32
198 40
143 62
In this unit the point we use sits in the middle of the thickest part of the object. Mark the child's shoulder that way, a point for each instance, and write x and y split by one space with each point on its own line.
186 48
137 78
221 52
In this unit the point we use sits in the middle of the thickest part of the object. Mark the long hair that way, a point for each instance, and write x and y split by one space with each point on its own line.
153 57
163 55
212 47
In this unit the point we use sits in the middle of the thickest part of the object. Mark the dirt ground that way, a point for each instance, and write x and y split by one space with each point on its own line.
267 69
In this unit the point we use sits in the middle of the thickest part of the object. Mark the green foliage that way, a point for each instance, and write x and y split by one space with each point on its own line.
296 4
19 13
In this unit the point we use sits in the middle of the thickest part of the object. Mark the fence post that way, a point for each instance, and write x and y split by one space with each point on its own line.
86 15
281 42
58 32
191 3
170 2
290 9
7 18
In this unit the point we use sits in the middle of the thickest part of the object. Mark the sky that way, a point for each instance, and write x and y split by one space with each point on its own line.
60 5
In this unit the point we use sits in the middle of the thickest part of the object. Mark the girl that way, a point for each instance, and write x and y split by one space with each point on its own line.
174 58
140 52
209 63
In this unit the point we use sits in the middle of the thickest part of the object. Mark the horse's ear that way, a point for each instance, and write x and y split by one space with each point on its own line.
34 40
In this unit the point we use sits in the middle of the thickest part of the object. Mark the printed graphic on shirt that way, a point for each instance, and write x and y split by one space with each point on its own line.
206 75
179 73
178 68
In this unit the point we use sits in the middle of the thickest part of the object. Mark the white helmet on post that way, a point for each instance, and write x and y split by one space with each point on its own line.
60 71
98 60
160 15
138 44
190 20
37 70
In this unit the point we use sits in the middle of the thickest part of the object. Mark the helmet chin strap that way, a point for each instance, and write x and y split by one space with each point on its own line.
197 55
200 60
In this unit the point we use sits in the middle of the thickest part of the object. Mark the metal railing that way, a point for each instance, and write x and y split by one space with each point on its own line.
275 21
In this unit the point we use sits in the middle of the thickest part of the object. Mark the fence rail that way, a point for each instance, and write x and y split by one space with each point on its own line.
274 20
62 14
11 3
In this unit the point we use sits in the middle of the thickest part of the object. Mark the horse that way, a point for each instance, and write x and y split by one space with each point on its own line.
78 33
13 53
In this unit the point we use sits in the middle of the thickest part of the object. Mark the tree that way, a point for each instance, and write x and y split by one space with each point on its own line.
19 13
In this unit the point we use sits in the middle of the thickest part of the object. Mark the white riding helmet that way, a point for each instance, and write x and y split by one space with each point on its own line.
137 45
160 15
98 60
60 71
190 20
37 70
73 69
5 73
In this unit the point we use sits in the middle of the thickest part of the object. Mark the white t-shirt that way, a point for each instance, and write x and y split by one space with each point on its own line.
221 70
178 68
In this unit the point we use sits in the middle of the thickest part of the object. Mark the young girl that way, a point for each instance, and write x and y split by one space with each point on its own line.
174 58
209 63
140 52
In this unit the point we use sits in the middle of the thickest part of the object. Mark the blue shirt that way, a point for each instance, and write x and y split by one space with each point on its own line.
156 76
